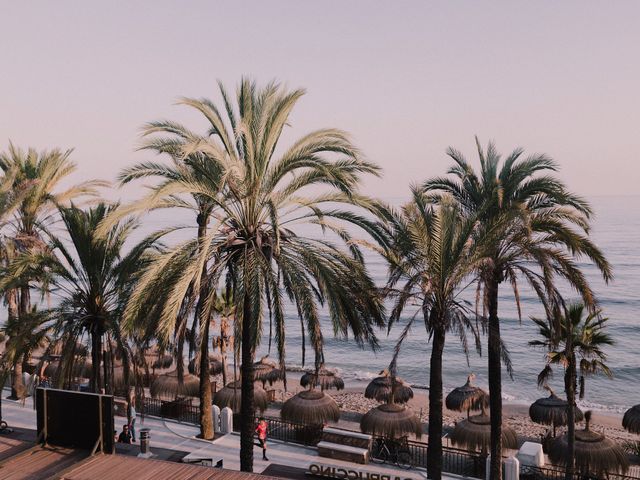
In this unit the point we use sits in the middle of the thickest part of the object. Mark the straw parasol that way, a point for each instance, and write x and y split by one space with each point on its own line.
380 389
215 365
391 420
266 370
163 361
474 433
594 453
81 369
552 410
229 396
168 386
631 419
467 397
310 407
324 378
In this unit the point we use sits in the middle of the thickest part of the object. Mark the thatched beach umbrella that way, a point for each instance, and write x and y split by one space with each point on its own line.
266 370
215 365
474 433
229 396
162 361
594 453
467 397
380 389
631 419
168 386
80 369
324 378
552 410
310 407
391 420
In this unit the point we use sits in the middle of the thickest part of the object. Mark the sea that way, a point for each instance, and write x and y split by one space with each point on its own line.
616 230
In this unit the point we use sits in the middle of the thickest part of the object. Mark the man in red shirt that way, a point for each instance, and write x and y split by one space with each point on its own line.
261 430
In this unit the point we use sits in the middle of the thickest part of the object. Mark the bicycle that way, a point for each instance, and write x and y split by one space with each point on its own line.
396 451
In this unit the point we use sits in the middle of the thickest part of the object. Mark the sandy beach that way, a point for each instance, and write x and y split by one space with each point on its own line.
353 404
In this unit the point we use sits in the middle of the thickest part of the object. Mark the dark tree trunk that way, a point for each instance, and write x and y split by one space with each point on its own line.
19 307
223 348
18 390
206 417
495 381
570 389
434 449
96 360
246 395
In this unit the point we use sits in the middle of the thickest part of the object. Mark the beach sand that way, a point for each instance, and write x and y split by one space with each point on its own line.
353 404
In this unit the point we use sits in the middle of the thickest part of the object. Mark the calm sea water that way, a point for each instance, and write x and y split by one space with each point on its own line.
617 231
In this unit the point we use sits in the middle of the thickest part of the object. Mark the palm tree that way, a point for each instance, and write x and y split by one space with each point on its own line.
36 177
258 199
92 275
539 230
573 340
433 252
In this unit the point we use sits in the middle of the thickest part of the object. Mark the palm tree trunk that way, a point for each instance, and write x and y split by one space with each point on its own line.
434 449
206 416
570 389
495 381
17 385
96 360
246 395
223 348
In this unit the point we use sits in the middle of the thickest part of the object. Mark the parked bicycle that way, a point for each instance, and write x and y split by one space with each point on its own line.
389 450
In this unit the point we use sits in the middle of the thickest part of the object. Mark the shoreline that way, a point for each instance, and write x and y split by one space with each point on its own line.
353 404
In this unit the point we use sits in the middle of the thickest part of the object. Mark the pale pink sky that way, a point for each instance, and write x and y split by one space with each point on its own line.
407 79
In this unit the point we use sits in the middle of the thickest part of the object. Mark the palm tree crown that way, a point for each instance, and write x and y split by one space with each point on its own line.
589 336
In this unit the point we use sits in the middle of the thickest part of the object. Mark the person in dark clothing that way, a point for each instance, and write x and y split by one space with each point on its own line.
125 435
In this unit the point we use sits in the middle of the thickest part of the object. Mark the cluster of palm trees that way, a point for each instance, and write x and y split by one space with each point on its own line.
252 198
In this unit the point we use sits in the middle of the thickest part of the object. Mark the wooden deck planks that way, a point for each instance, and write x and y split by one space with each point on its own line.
40 463
118 467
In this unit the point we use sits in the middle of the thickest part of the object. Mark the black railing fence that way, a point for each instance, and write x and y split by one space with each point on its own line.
558 473
308 435
181 410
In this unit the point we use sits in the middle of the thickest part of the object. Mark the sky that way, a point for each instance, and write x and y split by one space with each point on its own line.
406 79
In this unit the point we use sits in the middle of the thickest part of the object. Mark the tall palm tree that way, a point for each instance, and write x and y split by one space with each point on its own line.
573 341
540 229
260 194
37 176
433 255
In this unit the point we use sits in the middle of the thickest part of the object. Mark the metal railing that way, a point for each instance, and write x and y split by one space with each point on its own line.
528 472
308 435
454 460
180 410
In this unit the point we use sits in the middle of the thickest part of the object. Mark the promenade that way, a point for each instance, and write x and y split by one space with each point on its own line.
173 435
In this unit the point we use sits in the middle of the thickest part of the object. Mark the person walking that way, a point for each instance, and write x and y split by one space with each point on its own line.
131 415
261 430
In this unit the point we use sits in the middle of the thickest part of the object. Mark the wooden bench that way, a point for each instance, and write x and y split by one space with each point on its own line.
345 445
